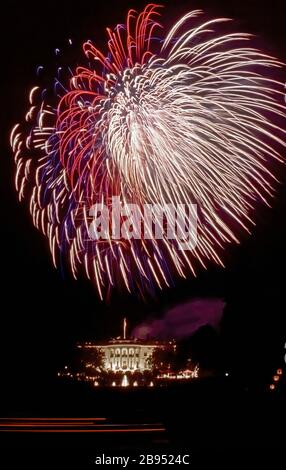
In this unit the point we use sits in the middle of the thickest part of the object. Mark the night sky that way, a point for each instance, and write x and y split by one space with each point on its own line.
43 312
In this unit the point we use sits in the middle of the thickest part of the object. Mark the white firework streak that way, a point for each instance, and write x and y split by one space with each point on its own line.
200 122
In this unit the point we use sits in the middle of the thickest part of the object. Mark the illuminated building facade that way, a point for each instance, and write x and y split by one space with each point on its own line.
126 362
126 354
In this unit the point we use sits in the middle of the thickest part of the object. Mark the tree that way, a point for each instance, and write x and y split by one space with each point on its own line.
89 360
163 360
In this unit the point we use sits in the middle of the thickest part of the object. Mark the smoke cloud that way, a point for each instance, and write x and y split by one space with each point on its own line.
183 320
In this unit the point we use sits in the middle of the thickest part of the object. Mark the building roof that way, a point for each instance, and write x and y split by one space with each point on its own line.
122 342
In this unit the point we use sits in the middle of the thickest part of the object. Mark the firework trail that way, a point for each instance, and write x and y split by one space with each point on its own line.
192 118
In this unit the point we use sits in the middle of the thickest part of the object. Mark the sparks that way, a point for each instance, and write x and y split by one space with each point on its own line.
192 118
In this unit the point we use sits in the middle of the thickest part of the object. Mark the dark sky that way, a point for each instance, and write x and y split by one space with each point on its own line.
43 313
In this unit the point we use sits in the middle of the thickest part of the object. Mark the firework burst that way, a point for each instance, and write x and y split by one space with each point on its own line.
192 118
